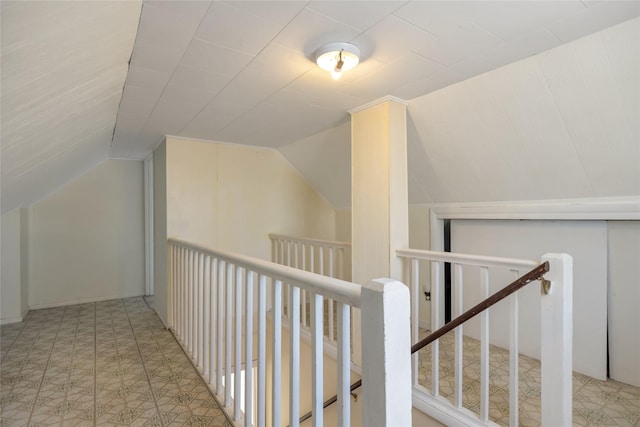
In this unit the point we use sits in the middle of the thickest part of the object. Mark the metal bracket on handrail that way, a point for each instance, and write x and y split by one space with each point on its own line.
545 285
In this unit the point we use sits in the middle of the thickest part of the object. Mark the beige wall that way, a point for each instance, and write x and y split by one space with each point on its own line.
87 239
231 197
11 275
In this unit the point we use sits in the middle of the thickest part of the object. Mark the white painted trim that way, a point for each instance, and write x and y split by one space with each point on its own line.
166 326
441 410
209 141
284 237
81 301
606 208
148 226
378 101
8 320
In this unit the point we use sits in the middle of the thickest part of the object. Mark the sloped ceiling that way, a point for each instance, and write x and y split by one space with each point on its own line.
562 124
243 72
64 65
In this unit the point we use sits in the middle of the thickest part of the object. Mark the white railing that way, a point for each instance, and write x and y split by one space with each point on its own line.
328 258
555 343
213 299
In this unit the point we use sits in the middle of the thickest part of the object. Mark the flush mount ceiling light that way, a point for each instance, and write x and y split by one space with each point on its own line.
337 57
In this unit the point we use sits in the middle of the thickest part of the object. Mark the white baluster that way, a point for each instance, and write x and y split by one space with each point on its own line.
304 292
190 305
331 302
484 347
228 334
200 337
213 339
435 322
457 400
513 357
220 337
317 357
248 376
344 366
206 314
415 317
294 358
277 352
262 349
237 390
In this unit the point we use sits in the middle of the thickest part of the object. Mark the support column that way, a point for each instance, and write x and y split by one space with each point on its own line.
379 195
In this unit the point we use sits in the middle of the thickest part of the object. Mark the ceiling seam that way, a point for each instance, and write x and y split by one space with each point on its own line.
243 68
155 105
124 84
564 124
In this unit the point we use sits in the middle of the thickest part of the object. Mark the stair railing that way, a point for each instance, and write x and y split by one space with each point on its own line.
325 257
556 339
212 299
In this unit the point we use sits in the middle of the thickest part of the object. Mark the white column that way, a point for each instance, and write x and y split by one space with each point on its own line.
556 331
386 344
380 218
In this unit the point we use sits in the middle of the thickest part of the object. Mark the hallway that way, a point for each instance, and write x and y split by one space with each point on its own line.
113 359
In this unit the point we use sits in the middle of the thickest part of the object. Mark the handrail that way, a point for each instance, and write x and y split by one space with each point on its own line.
514 286
339 290
467 259
337 244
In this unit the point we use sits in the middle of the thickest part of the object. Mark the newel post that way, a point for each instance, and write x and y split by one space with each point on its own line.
386 354
557 342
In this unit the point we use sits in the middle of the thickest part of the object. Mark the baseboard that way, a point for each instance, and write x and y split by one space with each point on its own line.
9 320
81 301
161 319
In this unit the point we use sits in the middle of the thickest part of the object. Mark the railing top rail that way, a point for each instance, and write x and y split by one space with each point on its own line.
467 259
337 244
339 290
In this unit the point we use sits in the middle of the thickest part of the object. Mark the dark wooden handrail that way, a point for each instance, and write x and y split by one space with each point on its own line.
514 286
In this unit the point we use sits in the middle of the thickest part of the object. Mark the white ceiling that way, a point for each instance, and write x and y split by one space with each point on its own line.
240 71
63 68
243 71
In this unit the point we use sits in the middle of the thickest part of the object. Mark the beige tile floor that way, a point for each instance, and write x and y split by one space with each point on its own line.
105 363
595 403
116 361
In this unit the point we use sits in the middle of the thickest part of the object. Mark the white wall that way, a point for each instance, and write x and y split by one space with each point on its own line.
87 239
419 239
624 296
11 275
585 241
557 125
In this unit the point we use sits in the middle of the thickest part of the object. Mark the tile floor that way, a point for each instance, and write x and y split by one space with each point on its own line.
105 363
113 363
595 403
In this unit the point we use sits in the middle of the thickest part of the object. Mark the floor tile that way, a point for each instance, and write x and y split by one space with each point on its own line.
99 364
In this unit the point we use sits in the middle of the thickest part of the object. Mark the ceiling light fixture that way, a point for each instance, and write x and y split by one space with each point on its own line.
337 57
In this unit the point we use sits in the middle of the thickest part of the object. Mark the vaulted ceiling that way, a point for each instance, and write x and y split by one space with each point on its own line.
243 72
